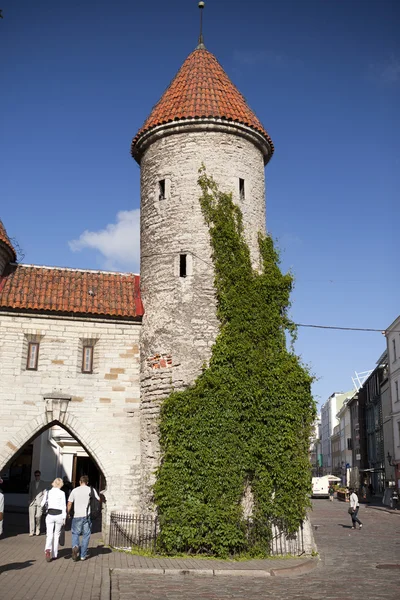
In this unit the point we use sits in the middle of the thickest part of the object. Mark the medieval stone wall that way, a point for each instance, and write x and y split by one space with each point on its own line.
103 410
180 324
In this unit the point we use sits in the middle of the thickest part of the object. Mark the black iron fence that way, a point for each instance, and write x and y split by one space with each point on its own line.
142 532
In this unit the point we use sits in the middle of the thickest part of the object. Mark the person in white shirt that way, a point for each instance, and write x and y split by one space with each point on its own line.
55 519
354 505
81 522
37 488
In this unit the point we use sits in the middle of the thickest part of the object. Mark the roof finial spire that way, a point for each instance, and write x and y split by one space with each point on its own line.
201 40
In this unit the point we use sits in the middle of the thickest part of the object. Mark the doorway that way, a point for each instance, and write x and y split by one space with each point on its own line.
85 465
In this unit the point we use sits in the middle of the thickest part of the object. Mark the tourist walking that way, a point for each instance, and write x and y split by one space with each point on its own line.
67 487
55 517
37 488
354 507
79 499
331 492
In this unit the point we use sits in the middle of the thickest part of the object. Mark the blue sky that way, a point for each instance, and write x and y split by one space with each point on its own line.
79 79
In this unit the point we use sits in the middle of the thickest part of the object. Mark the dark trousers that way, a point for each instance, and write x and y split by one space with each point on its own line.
354 517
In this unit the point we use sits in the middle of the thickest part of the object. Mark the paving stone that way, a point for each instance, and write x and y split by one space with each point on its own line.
347 569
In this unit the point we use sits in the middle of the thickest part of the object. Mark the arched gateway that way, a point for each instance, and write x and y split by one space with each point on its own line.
69 356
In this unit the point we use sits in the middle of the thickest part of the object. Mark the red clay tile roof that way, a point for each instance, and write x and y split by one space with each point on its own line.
4 239
50 289
201 88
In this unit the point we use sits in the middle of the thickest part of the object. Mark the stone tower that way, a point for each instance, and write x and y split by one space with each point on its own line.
7 252
201 118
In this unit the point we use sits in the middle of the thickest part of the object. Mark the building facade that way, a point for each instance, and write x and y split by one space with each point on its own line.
329 420
90 353
393 353
71 361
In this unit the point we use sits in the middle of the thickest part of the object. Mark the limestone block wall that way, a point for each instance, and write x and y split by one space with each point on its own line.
103 410
180 324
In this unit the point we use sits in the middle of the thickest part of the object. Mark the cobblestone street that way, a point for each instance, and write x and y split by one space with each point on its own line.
354 564
348 567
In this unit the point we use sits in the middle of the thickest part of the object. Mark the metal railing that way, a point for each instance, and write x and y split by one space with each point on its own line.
142 532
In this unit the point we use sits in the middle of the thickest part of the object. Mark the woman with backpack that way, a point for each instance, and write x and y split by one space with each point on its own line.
55 508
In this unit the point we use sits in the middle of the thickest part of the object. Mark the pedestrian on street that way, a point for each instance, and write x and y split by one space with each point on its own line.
37 488
354 506
1 508
331 492
67 487
79 498
55 518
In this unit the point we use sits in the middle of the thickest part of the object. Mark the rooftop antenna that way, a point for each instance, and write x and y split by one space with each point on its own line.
201 40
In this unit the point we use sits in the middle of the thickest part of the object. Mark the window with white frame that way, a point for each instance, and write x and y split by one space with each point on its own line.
396 391
394 349
87 359
32 356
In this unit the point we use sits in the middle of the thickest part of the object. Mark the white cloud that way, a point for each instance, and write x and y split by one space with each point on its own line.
118 243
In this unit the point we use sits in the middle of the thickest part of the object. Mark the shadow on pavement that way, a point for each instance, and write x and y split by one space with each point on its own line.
344 526
66 553
16 566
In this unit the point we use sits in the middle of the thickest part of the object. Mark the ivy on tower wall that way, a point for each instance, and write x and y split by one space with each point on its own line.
245 424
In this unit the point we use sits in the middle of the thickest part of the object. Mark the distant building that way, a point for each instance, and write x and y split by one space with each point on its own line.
315 449
329 420
346 443
393 350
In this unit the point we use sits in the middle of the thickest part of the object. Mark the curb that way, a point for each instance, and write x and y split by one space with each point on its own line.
389 511
105 586
305 567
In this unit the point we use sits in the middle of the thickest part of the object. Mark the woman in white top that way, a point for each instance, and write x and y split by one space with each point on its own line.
55 518
354 505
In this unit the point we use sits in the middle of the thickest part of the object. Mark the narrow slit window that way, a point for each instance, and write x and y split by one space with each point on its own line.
241 189
161 189
33 356
87 359
182 265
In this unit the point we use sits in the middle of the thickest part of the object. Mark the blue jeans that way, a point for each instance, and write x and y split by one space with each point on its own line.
354 517
81 526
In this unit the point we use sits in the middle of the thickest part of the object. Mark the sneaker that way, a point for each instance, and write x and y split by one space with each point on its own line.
75 553
360 526
353 527
83 557
48 556
31 534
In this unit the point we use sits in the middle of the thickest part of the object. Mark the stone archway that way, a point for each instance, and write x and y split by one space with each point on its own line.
55 413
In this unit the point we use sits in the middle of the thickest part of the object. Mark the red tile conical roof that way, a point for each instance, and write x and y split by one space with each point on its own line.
5 240
201 88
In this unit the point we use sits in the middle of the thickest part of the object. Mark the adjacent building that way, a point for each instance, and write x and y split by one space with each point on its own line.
329 420
392 456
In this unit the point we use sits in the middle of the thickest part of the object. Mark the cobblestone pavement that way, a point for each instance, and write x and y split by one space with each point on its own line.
347 570
24 574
